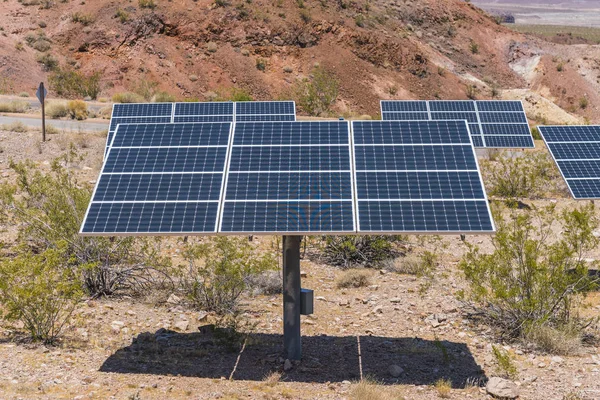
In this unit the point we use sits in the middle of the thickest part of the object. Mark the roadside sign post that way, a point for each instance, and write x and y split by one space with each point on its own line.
41 95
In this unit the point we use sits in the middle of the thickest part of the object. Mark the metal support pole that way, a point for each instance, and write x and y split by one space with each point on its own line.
292 341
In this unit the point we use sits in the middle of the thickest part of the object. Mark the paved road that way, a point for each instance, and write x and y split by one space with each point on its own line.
64 125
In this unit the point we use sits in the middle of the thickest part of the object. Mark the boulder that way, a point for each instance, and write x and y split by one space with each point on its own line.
502 388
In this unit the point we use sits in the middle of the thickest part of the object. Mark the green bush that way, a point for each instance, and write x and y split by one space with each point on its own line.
218 270
504 363
163 97
40 291
527 176
84 19
349 251
122 15
317 94
77 109
70 83
147 4
127 97
530 279
48 207
49 63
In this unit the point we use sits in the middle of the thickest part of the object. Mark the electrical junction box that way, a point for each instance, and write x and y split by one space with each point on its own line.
306 301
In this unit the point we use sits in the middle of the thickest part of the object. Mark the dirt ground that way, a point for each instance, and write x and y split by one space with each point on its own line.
124 348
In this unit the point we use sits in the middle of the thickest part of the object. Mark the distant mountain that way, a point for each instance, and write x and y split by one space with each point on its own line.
568 4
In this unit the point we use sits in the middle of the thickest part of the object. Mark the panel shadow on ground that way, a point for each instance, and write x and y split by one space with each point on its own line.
325 358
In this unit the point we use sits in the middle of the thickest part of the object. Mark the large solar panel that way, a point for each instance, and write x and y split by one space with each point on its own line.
492 123
418 177
289 177
576 151
160 179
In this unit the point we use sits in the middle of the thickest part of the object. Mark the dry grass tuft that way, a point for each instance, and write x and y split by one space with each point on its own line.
369 389
443 388
564 342
272 379
14 106
353 278
16 126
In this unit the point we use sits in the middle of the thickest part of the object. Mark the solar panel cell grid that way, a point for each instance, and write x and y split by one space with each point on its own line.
143 110
416 182
403 106
502 118
200 109
405 116
451 105
265 107
576 150
509 141
470 117
500 106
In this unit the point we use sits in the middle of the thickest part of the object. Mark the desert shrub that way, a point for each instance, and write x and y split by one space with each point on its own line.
39 291
517 177
122 15
23 94
370 389
474 47
218 270
471 92
48 208
147 4
261 64
317 94
47 61
69 83
16 126
77 109
505 366
145 88
235 94
163 97
268 282
127 97
353 278
535 132
15 106
38 41
583 103
443 387
530 278
349 251
563 340
82 18
56 109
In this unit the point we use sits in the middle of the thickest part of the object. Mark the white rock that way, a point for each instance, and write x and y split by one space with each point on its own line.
182 325
173 299
502 388
557 359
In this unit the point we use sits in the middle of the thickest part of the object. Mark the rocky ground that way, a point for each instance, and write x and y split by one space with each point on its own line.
392 331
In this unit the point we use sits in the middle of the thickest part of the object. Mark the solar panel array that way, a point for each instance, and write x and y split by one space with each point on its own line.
493 123
140 113
329 177
576 151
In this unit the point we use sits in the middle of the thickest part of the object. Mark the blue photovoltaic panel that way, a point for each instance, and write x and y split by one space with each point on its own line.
161 179
470 117
203 118
265 108
265 118
502 118
494 123
204 109
403 106
576 150
418 177
143 110
507 141
289 177
405 116
451 105
115 122
500 106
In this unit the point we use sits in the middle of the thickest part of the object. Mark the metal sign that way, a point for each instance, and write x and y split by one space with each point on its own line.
41 93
